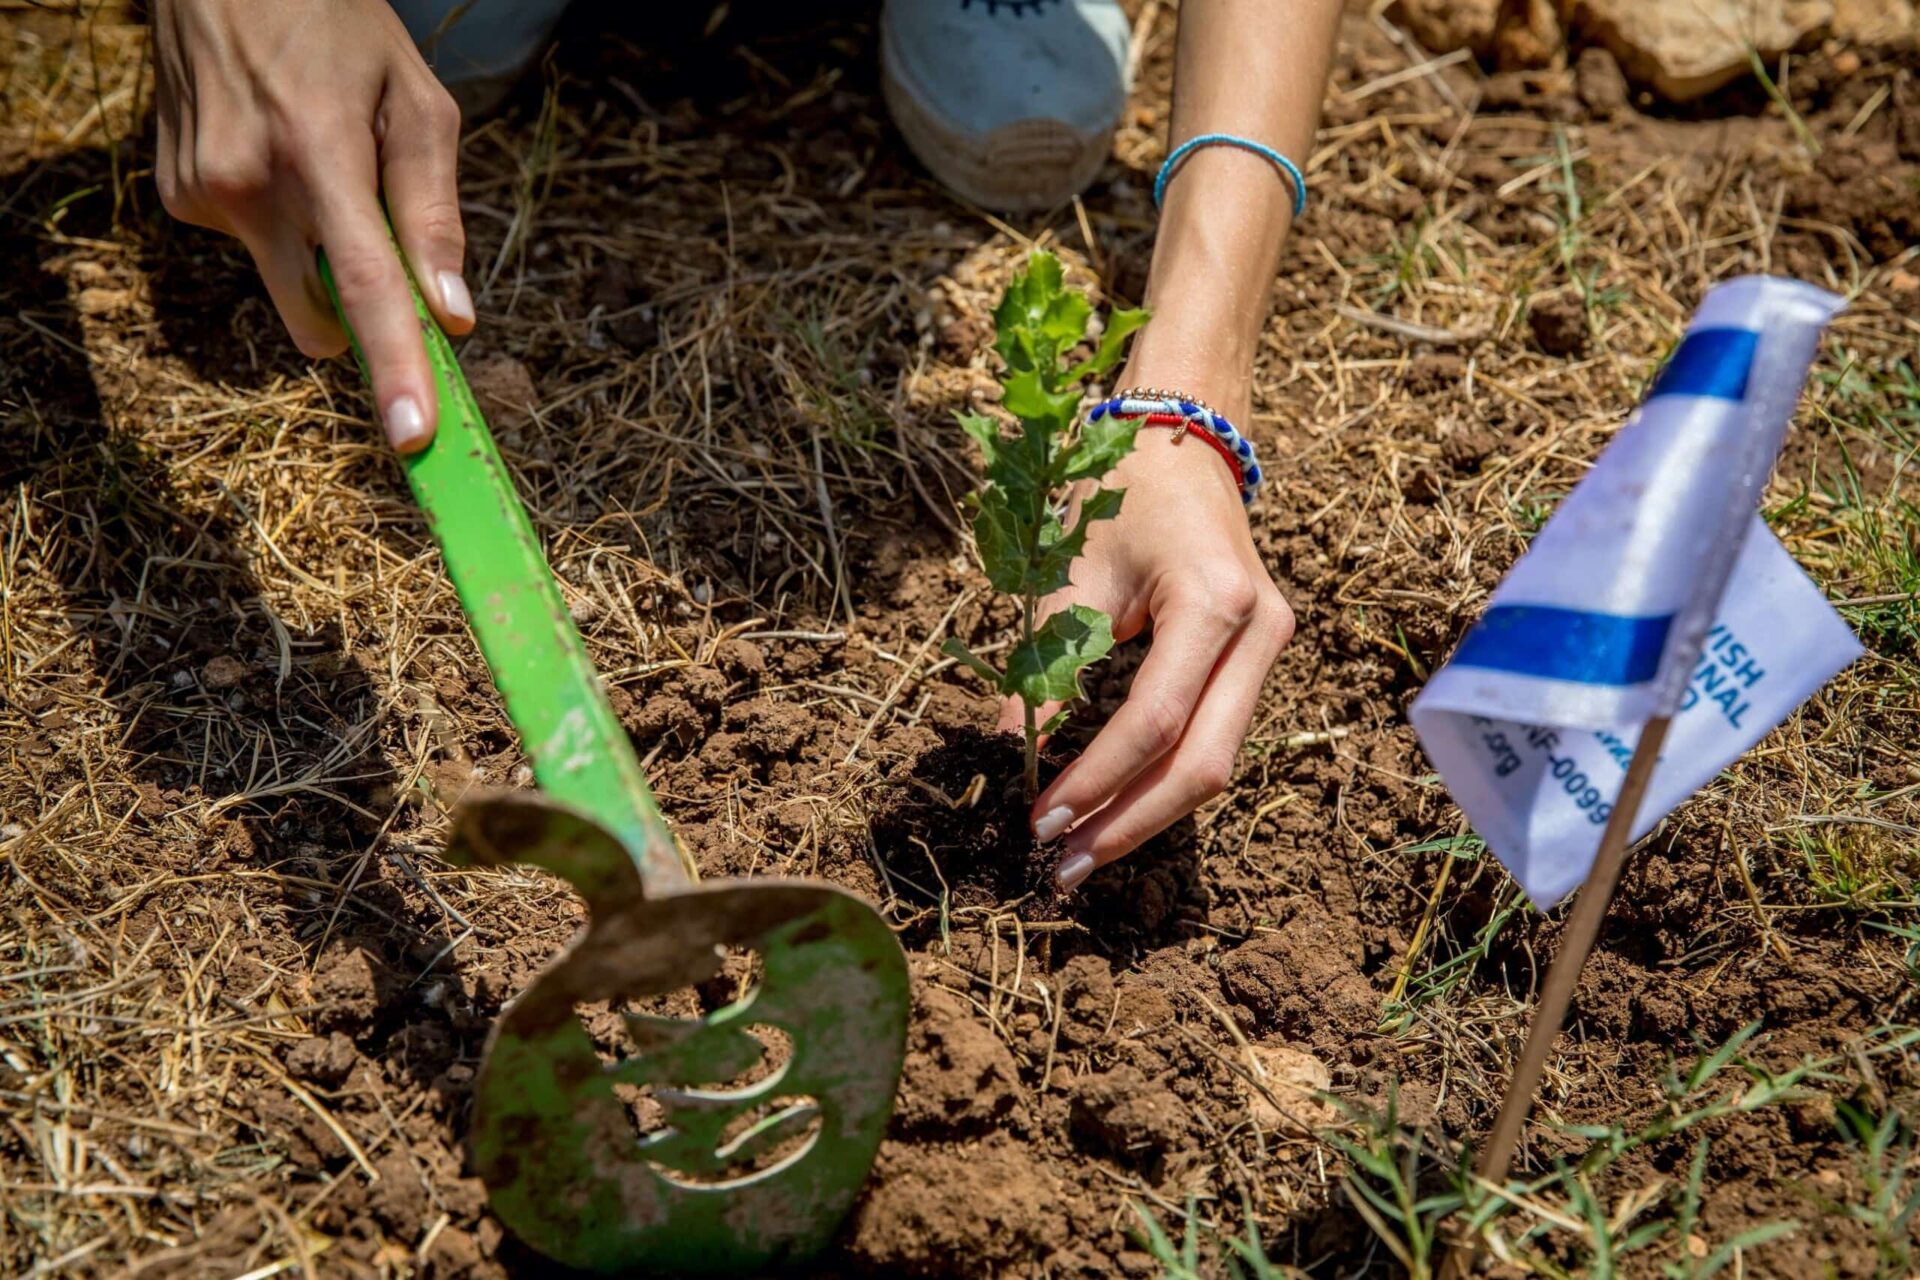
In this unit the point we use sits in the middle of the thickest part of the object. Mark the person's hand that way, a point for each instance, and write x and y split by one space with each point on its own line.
281 123
1179 555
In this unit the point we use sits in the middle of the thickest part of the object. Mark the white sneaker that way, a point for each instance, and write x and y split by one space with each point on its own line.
1011 103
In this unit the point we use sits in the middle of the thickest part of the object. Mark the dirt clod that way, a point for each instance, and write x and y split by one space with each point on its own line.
1559 325
325 1060
1127 1116
348 988
959 1079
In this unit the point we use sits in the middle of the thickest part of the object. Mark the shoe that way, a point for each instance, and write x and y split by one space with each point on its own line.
1011 103
480 48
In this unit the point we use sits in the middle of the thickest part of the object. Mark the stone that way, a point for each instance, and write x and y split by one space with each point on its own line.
1441 26
503 388
1598 81
223 672
1528 36
1683 51
1875 23
1297 1081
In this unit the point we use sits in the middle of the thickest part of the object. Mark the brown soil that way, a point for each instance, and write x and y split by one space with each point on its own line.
234 674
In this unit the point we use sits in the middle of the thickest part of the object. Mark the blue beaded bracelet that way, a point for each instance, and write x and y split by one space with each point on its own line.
1292 171
1148 403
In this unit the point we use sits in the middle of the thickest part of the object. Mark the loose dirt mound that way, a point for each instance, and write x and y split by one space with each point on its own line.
243 1000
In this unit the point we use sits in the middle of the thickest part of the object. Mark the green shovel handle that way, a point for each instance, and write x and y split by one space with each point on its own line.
581 754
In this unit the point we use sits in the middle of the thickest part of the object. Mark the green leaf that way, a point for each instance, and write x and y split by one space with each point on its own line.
1037 319
1053 561
1113 339
1065 321
1020 320
1000 535
1100 447
1057 719
1047 668
1028 399
1017 464
955 649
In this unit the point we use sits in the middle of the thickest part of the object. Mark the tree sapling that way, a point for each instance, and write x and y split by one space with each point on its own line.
1018 514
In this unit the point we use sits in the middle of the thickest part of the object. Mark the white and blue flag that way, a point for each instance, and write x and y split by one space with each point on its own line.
1655 590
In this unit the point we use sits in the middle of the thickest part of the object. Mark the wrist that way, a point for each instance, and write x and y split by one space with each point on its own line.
1198 455
1198 370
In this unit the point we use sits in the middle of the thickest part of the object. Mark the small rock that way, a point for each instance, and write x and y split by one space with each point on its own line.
1903 282
584 609
1296 1079
1441 26
1873 23
223 672
504 389
1599 82
1684 51
1529 36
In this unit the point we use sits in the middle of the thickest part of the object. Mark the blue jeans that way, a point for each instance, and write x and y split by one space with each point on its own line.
469 40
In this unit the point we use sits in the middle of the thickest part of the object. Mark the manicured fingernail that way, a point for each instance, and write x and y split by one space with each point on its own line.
1052 823
406 425
454 297
1073 870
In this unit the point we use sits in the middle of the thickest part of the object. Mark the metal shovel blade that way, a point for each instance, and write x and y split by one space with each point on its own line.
554 1139
699 1153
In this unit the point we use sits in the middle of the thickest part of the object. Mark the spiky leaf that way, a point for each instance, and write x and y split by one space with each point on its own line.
1029 399
1001 536
1113 341
1038 320
957 650
1017 465
1100 447
1058 549
1047 668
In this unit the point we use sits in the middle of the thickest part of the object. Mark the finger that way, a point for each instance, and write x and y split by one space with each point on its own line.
1190 633
374 294
1198 769
419 156
286 265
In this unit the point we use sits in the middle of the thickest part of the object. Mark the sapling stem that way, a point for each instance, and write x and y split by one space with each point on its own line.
1031 787
1025 547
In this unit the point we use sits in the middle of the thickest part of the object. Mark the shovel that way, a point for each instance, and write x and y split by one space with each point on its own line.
727 1178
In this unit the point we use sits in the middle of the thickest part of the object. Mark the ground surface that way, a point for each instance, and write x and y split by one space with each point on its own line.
715 288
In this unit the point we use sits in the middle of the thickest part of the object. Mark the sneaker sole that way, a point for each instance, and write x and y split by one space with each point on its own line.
1027 165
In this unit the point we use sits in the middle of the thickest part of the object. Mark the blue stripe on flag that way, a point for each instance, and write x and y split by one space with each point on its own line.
1566 644
1709 362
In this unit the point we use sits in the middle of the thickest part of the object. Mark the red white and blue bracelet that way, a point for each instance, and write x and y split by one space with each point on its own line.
1157 408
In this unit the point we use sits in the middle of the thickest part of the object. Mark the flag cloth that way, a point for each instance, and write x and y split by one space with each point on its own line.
1654 590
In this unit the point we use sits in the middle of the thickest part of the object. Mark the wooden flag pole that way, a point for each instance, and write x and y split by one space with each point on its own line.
1583 929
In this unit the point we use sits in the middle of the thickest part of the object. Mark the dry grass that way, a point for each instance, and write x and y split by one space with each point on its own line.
230 669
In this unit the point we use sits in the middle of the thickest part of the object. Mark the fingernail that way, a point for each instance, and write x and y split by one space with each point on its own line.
1052 823
454 297
1073 870
406 425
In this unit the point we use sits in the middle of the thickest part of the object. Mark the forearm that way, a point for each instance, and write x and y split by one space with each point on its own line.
1258 69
